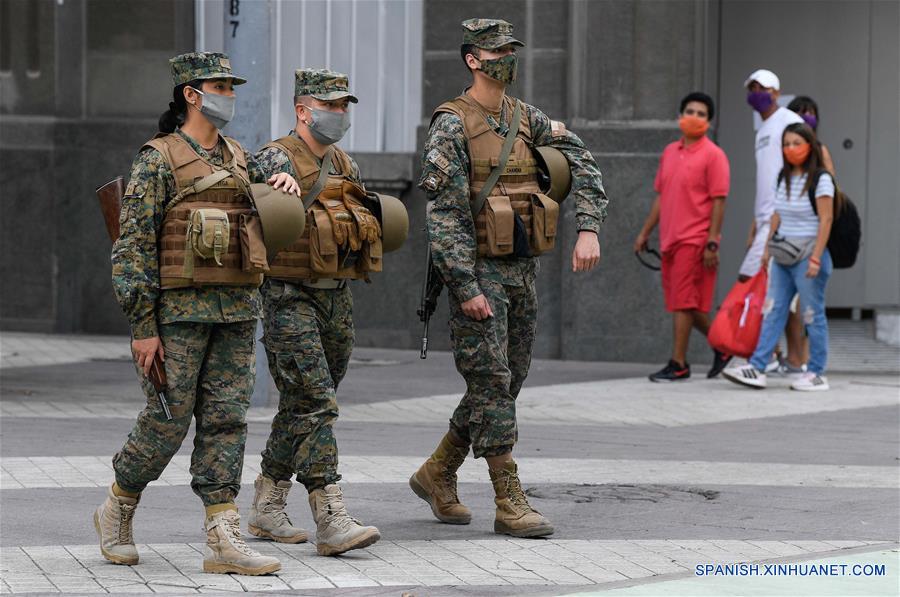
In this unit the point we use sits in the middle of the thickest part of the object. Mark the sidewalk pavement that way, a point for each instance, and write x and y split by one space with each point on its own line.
644 482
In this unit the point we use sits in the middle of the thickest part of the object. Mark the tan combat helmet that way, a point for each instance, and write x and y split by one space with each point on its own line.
556 167
394 220
282 215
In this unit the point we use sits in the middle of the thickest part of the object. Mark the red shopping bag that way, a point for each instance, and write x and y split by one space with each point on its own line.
735 330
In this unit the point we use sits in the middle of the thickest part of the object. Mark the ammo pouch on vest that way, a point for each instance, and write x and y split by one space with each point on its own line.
253 249
500 225
544 219
208 233
323 249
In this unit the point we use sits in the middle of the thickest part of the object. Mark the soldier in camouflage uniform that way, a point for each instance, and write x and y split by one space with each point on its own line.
308 323
493 305
203 333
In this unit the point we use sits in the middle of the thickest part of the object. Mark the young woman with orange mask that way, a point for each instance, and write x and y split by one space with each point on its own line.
802 264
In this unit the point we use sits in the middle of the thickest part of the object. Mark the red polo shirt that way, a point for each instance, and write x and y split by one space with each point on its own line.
687 180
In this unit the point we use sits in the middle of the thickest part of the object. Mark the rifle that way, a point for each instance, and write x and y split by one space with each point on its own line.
431 290
110 197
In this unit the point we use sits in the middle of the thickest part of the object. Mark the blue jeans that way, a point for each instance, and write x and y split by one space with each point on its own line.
784 282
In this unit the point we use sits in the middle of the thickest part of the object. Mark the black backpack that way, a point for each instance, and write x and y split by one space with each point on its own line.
846 228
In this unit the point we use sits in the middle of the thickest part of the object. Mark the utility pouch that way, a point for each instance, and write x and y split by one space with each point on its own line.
500 225
323 249
209 233
253 249
370 259
544 220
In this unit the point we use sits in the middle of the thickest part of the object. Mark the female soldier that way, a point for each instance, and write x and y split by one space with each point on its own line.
192 301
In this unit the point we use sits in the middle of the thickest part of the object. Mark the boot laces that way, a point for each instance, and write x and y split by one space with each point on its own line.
516 494
447 477
233 530
275 502
337 511
126 513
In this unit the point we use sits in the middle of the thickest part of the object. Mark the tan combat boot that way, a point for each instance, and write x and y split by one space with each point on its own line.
267 516
336 531
226 552
515 516
113 523
435 482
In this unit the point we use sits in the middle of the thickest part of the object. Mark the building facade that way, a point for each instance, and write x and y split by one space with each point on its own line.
82 83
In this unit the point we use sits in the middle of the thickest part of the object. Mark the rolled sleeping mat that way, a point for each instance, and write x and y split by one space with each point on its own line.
556 167
282 216
394 220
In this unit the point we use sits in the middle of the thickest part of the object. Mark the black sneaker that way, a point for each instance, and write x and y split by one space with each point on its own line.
672 372
720 361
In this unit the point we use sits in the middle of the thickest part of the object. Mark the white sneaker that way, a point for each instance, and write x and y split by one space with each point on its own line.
746 375
811 382
787 371
774 365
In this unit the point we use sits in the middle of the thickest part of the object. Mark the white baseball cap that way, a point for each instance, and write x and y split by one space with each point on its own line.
764 77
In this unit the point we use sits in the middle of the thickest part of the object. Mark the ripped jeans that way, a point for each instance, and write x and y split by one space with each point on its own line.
784 282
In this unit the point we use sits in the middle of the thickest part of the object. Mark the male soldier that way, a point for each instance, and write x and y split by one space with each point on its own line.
193 310
308 318
487 261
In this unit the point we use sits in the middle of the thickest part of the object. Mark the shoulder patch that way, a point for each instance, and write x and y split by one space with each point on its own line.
431 182
557 128
440 161
132 187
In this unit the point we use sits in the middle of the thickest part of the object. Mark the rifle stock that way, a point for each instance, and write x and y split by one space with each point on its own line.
110 196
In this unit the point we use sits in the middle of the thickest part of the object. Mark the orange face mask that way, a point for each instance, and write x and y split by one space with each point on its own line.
796 154
693 126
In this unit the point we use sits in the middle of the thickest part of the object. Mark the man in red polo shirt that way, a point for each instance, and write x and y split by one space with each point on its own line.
691 185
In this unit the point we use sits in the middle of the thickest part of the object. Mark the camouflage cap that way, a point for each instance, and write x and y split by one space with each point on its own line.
202 65
488 34
322 84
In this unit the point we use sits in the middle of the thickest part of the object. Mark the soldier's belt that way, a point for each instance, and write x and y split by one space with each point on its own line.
324 283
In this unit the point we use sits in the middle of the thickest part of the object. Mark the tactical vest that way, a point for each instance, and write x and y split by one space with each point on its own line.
517 191
332 245
178 266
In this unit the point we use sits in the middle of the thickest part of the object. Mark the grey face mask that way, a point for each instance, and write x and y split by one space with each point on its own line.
328 127
218 109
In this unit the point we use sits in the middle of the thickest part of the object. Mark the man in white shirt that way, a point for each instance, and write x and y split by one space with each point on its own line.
763 89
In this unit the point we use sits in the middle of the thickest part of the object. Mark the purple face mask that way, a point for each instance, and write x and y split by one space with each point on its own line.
759 100
811 120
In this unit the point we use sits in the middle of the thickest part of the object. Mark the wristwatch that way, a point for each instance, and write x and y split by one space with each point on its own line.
712 246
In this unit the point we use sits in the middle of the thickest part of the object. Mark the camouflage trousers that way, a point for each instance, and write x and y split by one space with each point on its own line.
308 339
210 369
493 356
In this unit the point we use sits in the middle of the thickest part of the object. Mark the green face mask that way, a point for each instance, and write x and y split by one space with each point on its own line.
502 69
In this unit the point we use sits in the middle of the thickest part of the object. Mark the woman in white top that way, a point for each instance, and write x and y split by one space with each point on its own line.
807 230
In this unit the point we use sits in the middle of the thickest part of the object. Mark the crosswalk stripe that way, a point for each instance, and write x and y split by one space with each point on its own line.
96 471
614 403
